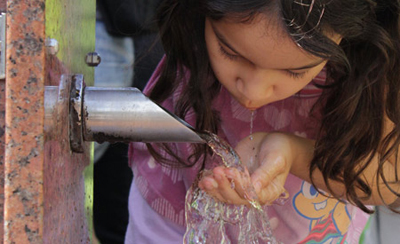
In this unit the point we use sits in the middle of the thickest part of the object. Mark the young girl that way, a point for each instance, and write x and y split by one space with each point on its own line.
316 82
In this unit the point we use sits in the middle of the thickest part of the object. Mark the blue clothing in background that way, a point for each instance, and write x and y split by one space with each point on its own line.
112 176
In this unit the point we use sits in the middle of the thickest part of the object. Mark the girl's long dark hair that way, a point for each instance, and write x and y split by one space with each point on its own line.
363 86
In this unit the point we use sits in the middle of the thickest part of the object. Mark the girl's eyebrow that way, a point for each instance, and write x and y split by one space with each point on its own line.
308 66
223 40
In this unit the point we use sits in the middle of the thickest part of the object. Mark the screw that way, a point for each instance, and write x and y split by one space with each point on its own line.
93 59
51 46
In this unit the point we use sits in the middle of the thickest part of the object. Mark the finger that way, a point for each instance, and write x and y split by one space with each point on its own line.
225 187
210 186
243 185
270 168
272 192
282 199
207 183
280 194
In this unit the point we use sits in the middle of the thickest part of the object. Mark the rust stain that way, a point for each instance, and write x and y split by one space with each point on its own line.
65 220
71 23
24 120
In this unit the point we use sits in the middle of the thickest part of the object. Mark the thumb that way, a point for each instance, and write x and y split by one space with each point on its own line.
270 167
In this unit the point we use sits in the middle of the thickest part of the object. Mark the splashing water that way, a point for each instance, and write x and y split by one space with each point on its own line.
207 218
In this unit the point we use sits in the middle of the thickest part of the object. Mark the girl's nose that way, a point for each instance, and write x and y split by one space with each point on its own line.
256 86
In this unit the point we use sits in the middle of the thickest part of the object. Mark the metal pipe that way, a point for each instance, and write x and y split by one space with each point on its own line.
126 114
110 114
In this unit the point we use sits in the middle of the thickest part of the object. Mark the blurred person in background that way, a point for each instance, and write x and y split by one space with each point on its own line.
126 41
383 227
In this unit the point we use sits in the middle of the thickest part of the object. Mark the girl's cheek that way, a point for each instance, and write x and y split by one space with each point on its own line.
224 70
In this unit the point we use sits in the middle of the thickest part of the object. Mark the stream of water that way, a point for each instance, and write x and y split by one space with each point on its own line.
212 221
253 113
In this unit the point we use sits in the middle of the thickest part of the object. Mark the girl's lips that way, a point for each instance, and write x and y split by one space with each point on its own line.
248 104
249 107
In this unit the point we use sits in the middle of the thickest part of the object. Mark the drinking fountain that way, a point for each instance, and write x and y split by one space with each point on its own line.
113 114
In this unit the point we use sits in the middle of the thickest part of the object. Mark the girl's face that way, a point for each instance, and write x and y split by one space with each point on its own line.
258 63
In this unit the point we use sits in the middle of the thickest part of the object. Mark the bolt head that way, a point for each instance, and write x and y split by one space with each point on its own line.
93 59
51 46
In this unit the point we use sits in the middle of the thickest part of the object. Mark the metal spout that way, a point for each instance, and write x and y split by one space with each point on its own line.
126 114
113 114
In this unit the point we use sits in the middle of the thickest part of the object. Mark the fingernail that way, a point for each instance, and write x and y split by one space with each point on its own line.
210 186
230 173
214 184
284 195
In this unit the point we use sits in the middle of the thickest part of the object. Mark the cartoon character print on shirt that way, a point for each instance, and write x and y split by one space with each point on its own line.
329 218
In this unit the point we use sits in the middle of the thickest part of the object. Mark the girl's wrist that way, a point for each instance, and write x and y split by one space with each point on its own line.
302 153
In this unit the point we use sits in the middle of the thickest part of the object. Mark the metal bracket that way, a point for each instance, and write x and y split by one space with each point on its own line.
75 113
2 45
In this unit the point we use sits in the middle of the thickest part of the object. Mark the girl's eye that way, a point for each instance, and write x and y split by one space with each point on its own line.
295 75
226 54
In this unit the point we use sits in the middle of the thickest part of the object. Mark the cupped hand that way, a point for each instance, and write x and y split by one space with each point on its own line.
268 159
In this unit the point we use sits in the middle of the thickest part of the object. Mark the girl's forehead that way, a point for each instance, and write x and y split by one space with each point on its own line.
260 39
